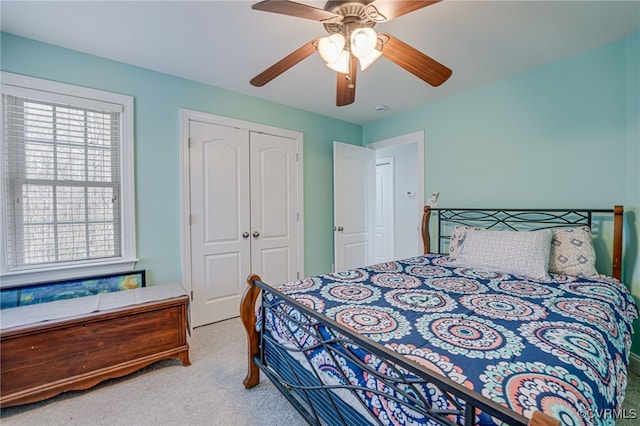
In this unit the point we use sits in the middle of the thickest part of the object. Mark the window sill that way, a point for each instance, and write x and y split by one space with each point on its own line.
16 278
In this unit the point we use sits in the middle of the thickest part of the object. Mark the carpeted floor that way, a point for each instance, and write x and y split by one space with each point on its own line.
209 392
630 415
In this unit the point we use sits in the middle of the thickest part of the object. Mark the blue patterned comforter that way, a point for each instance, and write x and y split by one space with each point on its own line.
561 347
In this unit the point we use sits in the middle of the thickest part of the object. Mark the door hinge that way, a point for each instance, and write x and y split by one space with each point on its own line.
188 142
297 157
191 295
190 219
297 275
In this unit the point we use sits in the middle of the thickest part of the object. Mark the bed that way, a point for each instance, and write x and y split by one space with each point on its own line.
505 321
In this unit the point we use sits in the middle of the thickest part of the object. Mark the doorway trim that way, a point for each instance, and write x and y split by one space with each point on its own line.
418 138
187 115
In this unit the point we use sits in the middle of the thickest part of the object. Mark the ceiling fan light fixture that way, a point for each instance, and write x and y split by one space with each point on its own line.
341 65
349 25
363 42
331 47
369 59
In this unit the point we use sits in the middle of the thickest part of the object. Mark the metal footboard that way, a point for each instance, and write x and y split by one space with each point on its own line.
329 397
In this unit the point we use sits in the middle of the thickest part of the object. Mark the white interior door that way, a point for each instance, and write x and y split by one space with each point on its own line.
408 154
220 220
354 209
273 208
244 215
384 221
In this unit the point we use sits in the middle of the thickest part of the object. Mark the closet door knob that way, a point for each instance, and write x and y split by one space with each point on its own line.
245 234
256 234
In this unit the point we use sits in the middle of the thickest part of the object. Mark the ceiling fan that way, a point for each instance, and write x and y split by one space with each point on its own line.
352 40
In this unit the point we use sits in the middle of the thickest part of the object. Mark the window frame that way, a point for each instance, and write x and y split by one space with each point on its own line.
20 85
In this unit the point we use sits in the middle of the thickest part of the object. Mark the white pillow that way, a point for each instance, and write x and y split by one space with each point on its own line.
457 238
572 252
523 253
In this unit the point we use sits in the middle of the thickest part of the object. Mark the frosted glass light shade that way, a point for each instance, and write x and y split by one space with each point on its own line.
369 59
363 42
330 48
341 65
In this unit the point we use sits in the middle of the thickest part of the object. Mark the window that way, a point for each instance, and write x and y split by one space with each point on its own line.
67 171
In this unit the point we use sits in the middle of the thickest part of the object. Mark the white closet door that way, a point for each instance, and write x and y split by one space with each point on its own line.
220 215
243 207
273 208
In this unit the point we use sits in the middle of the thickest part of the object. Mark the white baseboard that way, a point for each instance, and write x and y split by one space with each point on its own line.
634 363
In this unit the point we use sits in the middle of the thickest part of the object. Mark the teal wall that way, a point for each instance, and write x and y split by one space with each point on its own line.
158 98
632 168
562 135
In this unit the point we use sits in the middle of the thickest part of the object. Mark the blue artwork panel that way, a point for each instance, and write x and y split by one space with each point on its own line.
47 292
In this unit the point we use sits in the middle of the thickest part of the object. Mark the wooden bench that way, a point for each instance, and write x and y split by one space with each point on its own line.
74 344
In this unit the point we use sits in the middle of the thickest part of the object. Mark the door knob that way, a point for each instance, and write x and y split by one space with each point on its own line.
256 234
245 234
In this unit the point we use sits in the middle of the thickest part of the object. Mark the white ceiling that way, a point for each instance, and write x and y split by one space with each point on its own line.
226 43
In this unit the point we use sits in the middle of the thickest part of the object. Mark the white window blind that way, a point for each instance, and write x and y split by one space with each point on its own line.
63 180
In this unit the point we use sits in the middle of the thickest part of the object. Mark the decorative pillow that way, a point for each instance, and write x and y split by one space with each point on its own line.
457 237
572 252
522 253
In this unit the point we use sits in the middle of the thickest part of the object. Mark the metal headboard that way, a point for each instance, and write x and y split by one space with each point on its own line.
518 220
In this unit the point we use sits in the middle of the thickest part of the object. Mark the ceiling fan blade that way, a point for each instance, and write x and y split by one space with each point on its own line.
346 86
414 61
284 64
385 10
285 7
